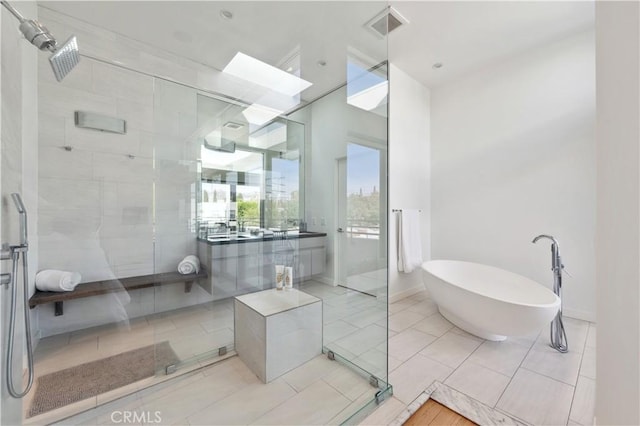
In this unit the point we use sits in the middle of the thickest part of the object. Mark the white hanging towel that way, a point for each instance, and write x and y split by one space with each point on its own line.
409 245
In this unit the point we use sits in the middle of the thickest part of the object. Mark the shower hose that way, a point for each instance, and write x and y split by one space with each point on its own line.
558 336
15 259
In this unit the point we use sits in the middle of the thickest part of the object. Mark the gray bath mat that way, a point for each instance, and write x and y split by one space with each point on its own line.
83 381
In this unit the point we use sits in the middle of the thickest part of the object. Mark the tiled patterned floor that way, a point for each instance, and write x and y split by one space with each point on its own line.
319 392
350 330
522 377
190 331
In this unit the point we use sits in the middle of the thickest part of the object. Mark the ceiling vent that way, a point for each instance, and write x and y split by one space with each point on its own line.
232 125
385 22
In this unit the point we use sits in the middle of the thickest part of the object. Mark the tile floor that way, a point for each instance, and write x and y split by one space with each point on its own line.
319 392
521 377
190 331
349 319
354 325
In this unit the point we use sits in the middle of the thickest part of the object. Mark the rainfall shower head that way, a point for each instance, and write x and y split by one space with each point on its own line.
63 58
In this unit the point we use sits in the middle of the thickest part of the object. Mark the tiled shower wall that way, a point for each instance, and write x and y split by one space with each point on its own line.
111 205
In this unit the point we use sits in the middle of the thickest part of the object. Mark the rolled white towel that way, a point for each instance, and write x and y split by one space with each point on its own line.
54 280
189 265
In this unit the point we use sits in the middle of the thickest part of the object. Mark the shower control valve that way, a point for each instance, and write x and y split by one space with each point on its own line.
5 252
5 279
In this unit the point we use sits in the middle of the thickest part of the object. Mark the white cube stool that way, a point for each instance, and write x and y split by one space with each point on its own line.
277 330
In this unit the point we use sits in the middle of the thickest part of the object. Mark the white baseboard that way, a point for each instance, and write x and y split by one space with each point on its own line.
393 298
579 314
325 280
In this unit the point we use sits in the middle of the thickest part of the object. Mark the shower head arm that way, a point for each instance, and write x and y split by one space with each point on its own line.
34 31
13 11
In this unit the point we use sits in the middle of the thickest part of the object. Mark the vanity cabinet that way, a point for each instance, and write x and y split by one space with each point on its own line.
240 267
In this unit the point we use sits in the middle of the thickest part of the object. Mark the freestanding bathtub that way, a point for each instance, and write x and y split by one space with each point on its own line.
489 302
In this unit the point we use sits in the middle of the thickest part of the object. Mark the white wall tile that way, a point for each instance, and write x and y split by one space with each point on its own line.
60 101
68 194
81 78
59 163
118 82
51 130
138 115
95 141
120 168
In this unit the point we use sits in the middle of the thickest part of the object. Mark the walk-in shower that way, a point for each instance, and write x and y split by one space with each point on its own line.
63 58
14 253
121 210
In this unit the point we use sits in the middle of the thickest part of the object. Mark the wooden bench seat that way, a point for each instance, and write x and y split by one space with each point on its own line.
111 286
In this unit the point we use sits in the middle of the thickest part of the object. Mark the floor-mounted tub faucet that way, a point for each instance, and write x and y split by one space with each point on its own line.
558 335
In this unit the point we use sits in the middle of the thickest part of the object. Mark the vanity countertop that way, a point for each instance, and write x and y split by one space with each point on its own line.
247 238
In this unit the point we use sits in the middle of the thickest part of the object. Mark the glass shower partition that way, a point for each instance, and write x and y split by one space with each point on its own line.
350 153
192 326
121 208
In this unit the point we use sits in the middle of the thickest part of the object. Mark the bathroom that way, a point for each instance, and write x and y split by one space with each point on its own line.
135 204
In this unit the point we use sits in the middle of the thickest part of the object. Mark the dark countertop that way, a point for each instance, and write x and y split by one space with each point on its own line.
238 239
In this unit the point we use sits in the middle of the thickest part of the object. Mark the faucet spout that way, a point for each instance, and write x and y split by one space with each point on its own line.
549 237
556 262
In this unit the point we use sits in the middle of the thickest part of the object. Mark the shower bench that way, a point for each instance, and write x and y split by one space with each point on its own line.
112 286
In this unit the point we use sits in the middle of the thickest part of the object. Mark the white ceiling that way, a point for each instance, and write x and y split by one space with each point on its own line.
461 35
464 36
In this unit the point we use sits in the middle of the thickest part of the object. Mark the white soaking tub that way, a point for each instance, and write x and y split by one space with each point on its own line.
489 302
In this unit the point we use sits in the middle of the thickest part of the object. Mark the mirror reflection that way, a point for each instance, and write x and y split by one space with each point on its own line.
251 171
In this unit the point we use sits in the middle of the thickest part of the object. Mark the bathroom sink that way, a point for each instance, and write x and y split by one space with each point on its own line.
229 237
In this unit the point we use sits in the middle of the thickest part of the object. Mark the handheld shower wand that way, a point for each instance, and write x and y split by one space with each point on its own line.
23 219
16 252
558 335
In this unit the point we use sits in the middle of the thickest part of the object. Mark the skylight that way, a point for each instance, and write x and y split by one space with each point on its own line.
259 114
370 98
258 72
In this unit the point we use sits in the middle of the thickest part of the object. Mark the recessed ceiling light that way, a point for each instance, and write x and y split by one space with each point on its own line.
437 65
226 14
183 36
322 63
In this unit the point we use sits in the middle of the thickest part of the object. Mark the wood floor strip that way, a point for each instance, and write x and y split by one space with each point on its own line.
435 414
